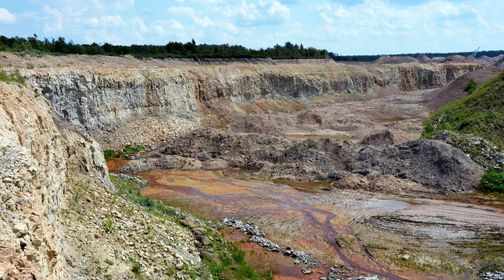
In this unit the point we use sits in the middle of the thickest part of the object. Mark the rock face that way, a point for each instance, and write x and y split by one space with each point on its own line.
59 217
35 159
170 96
103 101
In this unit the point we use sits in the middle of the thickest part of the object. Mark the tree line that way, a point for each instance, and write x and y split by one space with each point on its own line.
172 49
370 58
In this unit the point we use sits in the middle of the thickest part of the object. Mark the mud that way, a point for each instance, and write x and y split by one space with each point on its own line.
342 227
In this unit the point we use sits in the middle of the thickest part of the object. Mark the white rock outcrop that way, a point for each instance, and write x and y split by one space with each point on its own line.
35 156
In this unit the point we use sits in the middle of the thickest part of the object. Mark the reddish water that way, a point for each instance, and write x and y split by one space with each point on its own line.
116 163
285 214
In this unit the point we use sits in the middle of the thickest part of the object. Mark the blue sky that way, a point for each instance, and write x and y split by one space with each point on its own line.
345 26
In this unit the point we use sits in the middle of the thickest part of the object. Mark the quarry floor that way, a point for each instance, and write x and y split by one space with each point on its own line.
393 236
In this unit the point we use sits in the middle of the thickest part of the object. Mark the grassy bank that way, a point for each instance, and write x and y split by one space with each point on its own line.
126 152
479 113
221 259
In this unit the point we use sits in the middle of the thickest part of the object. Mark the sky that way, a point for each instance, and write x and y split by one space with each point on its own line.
345 27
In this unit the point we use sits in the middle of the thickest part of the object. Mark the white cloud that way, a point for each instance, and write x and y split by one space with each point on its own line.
124 4
204 22
54 20
245 10
104 22
167 27
6 16
380 17
182 10
278 9
139 25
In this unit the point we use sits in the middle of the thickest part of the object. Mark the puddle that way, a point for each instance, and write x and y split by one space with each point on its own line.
385 205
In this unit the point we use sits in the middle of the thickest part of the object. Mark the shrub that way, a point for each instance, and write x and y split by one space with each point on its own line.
126 152
129 150
108 154
470 86
239 256
492 181
147 202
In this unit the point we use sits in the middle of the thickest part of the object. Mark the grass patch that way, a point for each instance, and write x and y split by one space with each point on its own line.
109 225
480 113
131 191
491 182
125 153
12 77
136 268
231 264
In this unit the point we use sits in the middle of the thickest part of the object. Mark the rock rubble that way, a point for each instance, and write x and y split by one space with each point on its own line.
257 236
431 163
492 275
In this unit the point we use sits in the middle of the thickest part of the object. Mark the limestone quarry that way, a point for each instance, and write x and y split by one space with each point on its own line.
318 160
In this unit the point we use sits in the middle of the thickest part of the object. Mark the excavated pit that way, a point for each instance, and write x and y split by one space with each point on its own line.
323 156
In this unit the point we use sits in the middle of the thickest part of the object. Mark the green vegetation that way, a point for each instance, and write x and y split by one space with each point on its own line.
470 86
13 77
231 264
126 152
173 49
136 268
492 181
480 113
131 191
109 225
223 260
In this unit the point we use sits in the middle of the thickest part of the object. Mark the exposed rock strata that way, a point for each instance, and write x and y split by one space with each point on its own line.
109 101
35 158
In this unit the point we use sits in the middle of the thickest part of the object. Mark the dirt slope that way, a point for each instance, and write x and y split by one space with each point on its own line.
455 89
